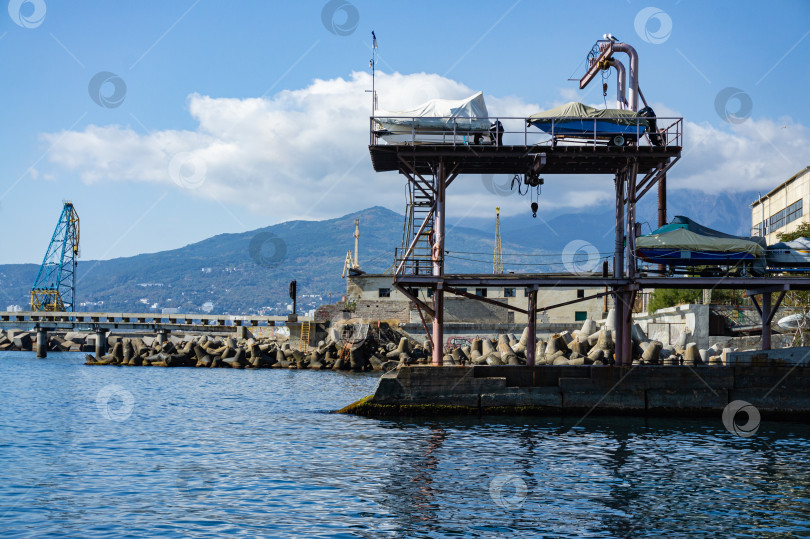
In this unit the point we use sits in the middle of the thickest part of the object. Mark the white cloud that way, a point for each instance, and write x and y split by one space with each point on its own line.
303 153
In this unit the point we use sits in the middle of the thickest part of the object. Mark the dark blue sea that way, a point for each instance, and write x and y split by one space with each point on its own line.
156 452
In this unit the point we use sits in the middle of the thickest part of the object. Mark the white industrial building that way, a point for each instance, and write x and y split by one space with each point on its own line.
783 208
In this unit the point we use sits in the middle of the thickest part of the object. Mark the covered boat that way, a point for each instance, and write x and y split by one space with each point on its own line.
790 254
684 242
436 121
581 121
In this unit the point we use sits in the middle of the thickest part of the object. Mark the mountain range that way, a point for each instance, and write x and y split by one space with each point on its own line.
250 272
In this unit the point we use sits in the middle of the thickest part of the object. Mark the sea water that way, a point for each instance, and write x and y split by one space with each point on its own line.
146 452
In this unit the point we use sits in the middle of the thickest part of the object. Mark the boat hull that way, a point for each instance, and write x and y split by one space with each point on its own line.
589 128
678 257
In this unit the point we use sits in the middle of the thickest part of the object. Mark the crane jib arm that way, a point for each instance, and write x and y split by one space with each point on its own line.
598 64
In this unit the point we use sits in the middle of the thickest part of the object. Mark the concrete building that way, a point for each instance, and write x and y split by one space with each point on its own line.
374 297
783 208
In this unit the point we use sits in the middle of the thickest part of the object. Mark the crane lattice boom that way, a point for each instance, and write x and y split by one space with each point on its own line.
55 286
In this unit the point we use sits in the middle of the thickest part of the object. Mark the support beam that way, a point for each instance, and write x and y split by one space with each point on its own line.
766 321
571 302
776 305
42 342
618 267
531 344
418 302
662 200
660 174
482 299
413 171
438 266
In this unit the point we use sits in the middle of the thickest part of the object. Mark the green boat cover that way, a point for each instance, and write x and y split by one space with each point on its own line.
579 110
685 234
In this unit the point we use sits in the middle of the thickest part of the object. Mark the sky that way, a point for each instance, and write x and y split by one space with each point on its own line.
169 122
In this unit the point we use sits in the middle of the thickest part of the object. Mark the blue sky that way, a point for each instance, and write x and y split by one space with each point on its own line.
250 98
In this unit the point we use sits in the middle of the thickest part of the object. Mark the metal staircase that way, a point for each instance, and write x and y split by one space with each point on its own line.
419 205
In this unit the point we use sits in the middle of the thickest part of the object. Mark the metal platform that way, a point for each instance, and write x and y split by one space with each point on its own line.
483 159
634 168
560 280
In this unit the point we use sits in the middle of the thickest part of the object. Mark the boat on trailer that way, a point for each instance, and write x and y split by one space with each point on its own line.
615 127
683 243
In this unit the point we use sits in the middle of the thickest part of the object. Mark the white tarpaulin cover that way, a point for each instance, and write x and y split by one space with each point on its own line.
466 114
681 238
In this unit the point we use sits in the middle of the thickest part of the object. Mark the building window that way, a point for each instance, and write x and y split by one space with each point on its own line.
525 292
580 293
510 317
759 230
385 292
580 316
481 292
429 292
462 289
776 221
508 292
794 211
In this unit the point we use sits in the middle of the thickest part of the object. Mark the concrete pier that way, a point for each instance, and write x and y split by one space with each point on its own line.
42 343
101 342
703 391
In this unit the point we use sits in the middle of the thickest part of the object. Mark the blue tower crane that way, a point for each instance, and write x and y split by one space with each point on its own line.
55 286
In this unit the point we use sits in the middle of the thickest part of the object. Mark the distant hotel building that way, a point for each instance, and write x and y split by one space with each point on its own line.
783 208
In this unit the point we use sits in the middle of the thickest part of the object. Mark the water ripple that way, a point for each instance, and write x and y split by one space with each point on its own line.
142 452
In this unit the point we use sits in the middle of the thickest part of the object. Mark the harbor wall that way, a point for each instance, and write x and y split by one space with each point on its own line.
775 390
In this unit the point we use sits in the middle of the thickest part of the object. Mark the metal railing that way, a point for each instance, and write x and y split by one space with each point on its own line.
521 131
420 261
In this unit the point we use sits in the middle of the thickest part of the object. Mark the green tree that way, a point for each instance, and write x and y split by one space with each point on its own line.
670 297
802 232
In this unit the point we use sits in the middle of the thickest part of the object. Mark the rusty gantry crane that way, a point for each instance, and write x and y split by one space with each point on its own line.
636 165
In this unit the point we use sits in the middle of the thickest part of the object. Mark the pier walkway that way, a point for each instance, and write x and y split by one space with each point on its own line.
161 324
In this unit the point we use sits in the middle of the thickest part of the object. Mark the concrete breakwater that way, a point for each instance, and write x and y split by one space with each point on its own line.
380 348
590 345
17 340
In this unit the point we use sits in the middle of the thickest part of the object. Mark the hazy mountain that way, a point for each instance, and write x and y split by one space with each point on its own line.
250 272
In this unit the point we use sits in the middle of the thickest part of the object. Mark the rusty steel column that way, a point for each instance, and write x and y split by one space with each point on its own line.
531 343
438 267
766 317
618 268
662 209
662 200
626 323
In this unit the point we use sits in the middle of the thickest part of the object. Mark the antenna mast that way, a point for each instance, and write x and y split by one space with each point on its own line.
373 63
497 262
